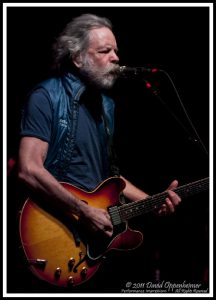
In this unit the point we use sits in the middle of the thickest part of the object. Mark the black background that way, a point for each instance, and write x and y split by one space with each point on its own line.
153 149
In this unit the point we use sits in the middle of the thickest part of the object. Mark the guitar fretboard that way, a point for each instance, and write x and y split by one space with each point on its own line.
127 211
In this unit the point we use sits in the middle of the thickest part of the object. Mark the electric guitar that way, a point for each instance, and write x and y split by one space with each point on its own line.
62 252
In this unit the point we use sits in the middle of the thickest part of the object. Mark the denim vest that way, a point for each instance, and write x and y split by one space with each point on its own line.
64 93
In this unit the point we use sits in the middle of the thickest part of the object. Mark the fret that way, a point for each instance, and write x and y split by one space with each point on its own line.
150 203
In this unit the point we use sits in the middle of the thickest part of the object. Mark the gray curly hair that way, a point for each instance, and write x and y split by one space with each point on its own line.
74 40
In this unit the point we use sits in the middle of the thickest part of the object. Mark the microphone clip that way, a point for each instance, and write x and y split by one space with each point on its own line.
134 72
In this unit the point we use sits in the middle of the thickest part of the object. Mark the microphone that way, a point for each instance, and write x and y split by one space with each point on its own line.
125 71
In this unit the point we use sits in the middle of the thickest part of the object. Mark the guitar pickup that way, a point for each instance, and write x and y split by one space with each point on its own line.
115 215
38 262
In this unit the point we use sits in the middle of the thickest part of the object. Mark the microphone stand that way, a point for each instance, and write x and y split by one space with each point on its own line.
197 140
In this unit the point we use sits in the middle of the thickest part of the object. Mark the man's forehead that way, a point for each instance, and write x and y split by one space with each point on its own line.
101 36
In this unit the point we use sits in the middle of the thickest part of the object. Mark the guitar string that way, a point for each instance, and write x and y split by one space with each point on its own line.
157 199
146 206
133 209
128 210
150 202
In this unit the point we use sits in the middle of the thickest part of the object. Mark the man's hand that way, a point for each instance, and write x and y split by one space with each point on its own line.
96 220
171 201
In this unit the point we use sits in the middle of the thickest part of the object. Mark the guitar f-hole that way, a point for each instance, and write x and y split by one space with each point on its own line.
81 260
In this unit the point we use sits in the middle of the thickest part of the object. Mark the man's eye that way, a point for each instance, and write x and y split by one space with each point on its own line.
104 51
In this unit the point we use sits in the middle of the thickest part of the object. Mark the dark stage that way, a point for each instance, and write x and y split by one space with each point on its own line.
154 139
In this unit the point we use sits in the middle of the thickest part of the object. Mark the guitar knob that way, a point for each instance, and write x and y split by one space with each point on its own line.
83 272
70 281
71 263
57 273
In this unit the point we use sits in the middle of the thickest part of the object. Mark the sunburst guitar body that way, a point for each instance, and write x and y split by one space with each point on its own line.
60 251
63 252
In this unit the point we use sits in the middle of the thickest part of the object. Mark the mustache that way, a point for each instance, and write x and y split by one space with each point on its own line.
113 69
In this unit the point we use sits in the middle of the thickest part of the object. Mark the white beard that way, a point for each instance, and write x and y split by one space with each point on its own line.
100 78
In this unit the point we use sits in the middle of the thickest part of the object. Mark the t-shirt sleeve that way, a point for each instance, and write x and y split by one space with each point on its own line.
36 118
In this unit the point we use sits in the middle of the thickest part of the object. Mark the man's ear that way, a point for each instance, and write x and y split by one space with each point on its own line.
77 60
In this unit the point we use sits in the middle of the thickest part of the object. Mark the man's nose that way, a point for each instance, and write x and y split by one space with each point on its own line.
114 57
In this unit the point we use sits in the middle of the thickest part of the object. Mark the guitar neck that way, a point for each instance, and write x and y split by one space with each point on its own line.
130 210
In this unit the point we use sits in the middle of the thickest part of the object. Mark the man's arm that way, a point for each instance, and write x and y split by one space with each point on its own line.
32 154
132 192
